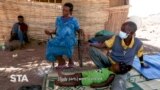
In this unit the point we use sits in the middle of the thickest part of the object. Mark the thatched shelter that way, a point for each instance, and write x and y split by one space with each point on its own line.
41 14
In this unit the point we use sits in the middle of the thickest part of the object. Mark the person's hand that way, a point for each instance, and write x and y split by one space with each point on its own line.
81 35
47 32
144 65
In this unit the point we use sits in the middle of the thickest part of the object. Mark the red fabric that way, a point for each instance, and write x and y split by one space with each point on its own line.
23 27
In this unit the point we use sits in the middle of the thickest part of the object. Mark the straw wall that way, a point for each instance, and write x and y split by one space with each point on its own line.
117 16
114 3
38 16
91 14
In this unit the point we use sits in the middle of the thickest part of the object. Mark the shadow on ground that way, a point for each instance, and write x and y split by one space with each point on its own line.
34 65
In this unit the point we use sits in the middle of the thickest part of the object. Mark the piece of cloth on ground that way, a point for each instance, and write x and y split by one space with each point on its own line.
118 83
153 72
52 76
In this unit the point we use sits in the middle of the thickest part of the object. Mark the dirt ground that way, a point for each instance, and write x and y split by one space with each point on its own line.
34 66
26 63
30 62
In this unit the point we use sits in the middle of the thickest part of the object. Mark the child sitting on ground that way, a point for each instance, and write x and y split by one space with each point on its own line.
95 79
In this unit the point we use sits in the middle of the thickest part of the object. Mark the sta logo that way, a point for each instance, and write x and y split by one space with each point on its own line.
18 78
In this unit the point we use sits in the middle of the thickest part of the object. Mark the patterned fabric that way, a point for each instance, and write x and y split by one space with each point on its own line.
65 40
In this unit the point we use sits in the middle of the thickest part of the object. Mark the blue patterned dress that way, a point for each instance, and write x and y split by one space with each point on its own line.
65 40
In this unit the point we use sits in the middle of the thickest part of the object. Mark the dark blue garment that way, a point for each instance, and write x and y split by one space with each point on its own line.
65 40
119 54
16 30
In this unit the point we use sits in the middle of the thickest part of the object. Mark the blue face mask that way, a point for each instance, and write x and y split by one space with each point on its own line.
123 35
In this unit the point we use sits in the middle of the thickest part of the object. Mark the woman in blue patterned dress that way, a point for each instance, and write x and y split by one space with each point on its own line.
65 40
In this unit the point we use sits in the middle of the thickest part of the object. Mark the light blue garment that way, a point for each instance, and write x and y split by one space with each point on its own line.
20 36
65 40
17 31
15 28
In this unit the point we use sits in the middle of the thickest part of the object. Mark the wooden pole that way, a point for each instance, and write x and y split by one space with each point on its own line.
79 50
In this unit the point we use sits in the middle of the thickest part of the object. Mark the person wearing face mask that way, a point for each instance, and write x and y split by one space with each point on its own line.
123 48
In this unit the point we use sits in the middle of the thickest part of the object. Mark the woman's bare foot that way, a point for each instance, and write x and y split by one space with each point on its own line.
71 63
61 63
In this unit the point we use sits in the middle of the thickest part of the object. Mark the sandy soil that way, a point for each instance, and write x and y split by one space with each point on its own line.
29 63
149 33
26 63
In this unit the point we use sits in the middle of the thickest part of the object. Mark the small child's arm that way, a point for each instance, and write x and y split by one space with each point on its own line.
49 32
105 83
